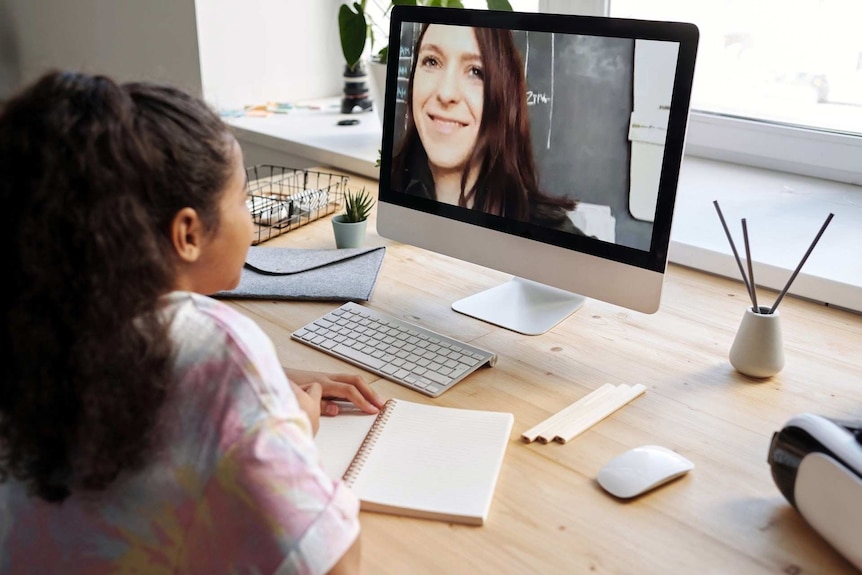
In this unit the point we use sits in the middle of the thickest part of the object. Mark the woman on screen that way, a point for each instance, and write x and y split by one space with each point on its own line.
467 137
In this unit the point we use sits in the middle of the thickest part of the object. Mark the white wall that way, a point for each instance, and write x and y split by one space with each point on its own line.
233 52
255 51
126 39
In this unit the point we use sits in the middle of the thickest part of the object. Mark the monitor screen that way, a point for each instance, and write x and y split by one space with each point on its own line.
542 145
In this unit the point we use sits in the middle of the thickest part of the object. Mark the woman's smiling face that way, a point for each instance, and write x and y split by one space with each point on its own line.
448 95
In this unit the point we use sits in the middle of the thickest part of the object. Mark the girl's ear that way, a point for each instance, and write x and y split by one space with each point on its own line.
187 235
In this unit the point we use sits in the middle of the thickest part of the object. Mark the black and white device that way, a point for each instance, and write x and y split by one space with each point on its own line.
817 464
592 109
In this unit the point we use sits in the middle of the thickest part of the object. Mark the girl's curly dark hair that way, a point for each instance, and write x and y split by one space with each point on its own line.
91 176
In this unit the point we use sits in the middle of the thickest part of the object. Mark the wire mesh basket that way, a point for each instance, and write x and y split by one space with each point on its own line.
281 199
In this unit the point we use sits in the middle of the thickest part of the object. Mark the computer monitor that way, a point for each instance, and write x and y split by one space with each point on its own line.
541 145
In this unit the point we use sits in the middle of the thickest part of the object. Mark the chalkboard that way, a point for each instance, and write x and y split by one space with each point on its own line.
409 34
579 98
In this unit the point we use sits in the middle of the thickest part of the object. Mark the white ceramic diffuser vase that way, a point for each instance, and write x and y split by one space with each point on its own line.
758 348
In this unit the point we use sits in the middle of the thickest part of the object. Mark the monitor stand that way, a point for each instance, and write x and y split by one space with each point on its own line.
521 305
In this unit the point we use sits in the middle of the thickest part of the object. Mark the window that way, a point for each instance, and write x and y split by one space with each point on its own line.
778 82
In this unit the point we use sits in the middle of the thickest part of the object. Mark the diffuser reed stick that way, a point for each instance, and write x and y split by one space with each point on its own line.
733 248
755 307
799 267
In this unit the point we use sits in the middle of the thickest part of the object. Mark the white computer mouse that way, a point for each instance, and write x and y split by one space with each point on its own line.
640 469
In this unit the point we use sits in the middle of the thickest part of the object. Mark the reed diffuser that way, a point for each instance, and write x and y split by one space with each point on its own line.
758 348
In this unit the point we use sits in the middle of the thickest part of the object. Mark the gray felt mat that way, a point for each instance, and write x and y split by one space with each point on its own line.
287 273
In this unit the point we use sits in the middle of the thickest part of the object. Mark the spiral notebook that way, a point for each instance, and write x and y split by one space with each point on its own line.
418 460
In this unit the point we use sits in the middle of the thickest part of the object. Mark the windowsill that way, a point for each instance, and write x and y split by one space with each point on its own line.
784 212
314 136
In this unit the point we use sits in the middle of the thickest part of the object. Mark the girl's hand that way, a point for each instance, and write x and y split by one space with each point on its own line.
341 386
309 398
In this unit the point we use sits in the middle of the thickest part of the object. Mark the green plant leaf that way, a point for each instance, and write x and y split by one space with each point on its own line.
499 5
353 29
370 33
357 205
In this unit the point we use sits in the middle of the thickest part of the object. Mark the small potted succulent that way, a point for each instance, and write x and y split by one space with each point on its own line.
349 227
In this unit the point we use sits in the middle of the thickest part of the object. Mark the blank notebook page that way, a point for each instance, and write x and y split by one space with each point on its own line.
338 438
442 460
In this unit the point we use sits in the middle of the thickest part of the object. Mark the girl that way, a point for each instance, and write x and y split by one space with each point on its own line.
145 427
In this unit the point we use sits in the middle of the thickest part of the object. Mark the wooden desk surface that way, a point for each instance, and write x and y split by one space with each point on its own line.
549 515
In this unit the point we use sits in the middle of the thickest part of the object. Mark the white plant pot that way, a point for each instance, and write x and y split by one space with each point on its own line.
377 86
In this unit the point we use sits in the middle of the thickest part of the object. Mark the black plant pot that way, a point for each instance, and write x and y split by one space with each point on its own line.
355 90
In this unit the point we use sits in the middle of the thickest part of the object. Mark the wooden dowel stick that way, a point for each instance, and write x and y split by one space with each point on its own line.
547 434
596 416
532 433
593 415
799 267
596 402
585 424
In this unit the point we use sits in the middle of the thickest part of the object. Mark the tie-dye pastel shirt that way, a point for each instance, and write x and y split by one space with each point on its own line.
236 486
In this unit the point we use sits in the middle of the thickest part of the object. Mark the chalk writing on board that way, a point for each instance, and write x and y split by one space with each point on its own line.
534 98
551 113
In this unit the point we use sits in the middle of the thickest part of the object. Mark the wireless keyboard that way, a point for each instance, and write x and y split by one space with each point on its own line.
400 351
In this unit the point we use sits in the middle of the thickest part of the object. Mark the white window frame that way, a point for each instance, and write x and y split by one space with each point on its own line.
803 151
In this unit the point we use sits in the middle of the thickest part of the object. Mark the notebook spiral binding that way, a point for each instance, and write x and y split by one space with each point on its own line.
365 449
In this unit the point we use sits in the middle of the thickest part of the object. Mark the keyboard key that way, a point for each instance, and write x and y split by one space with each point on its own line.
371 362
437 378
459 371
